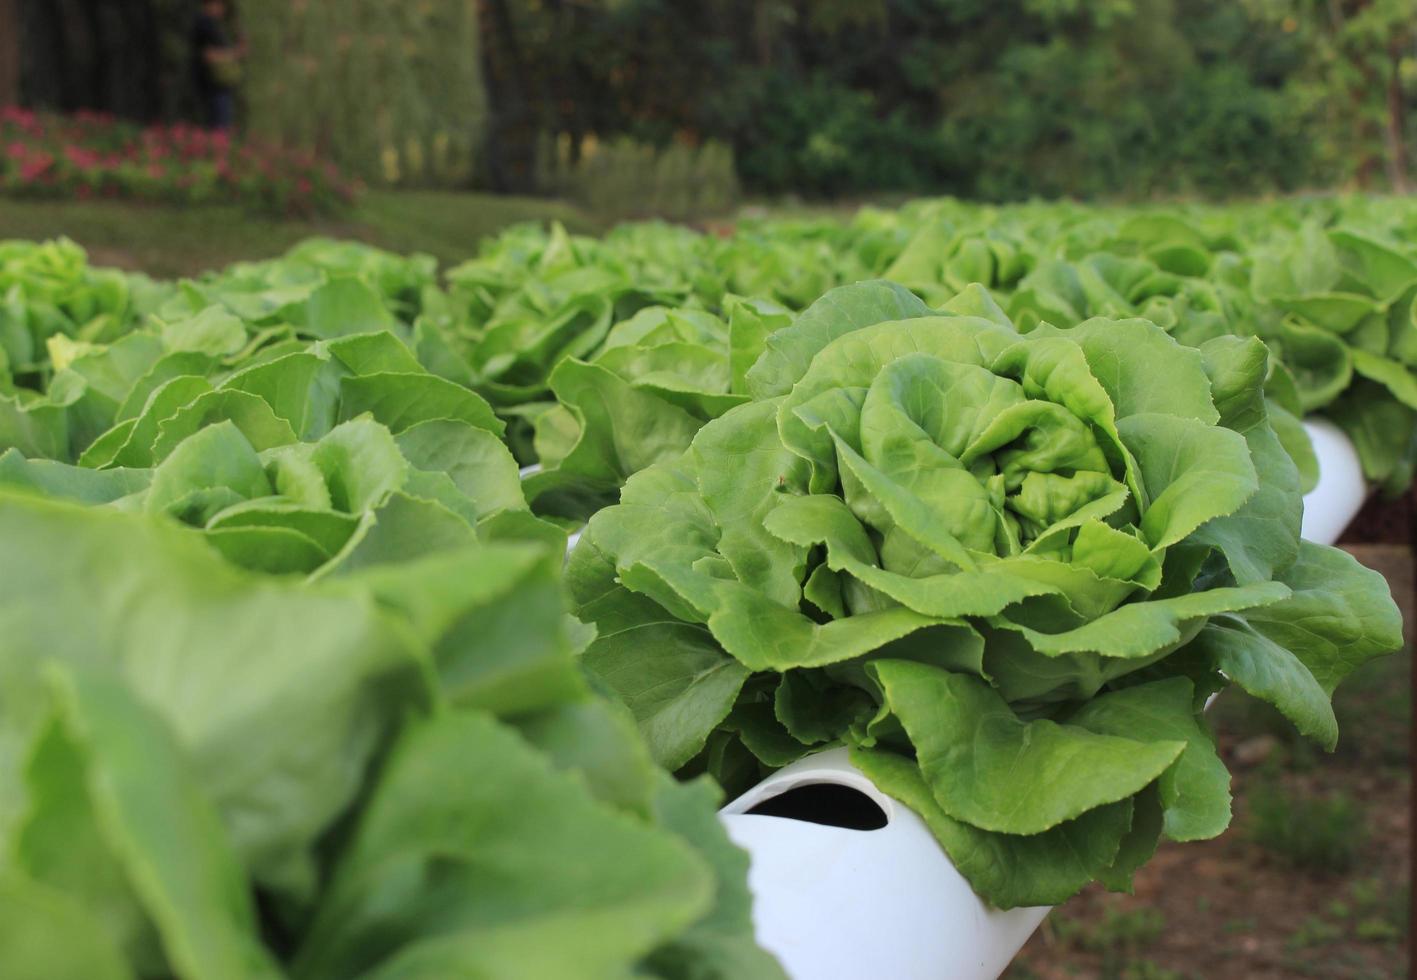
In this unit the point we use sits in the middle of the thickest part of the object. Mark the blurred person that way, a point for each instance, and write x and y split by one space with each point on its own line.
217 54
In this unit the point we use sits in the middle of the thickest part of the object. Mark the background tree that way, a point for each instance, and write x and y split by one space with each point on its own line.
9 52
980 97
1356 83
102 55
391 91
996 99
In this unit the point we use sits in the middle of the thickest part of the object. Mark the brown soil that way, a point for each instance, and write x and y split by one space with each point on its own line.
1231 910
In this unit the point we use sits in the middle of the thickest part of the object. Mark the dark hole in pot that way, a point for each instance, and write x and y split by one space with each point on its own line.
829 804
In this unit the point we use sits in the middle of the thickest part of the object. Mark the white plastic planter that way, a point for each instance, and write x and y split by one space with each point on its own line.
834 903
572 538
1341 490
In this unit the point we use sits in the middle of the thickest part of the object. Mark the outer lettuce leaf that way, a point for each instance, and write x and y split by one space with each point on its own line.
294 689
109 789
46 933
792 349
1012 870
719 945
995 772
579 890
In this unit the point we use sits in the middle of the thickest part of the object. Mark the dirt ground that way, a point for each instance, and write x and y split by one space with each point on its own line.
1313 879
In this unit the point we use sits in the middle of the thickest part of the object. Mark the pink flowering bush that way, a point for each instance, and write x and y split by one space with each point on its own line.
89 155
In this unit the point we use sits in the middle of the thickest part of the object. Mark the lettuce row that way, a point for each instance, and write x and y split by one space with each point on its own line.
1331 288
1005 568
288 667
530 270
1342 311
306 458
306 440
279 290
1328 285
49 292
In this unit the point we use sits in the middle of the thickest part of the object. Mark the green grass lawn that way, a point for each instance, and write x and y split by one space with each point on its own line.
170 241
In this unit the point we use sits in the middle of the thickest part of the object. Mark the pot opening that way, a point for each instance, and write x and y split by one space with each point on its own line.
828 804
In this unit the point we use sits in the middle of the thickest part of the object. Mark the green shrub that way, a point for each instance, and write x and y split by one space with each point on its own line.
627 177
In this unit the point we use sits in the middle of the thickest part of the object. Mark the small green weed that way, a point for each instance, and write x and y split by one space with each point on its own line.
1237 926
1377 930
1383 912
1314 931
1117 929
1376 915
1320 834
1149 970
1374 710
1117 936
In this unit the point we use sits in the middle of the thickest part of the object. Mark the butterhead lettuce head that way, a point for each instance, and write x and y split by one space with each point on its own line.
1006 569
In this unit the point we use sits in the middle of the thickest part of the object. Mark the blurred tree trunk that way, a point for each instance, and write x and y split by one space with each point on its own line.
512 130
9 52
85 54
1396 139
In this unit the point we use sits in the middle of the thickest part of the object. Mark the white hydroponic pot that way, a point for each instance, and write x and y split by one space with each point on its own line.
834 903
1341 490
571 538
